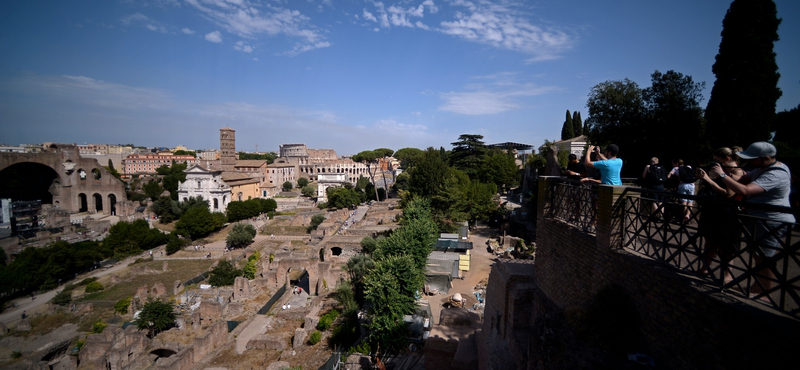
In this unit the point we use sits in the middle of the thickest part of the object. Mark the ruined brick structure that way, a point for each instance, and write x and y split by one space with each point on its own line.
79 184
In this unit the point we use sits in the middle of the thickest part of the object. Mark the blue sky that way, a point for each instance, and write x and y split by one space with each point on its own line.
342 74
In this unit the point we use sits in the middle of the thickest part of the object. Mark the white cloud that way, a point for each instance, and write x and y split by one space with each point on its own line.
250 19
368 16
243 46
504 25
502 93
501 26
187 31
145 21
215 37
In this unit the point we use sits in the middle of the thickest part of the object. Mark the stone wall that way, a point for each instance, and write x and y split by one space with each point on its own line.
679 321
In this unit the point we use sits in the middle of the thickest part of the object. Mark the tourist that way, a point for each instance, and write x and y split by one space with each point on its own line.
717 223
654 177
609 165
686 175
769 183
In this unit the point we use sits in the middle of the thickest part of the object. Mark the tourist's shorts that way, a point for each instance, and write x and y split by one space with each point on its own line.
767 236
686 189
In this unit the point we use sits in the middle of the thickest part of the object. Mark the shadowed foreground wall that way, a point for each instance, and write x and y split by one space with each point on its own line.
635 304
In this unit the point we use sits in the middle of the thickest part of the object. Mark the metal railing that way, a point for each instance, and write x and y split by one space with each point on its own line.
748 256
572 202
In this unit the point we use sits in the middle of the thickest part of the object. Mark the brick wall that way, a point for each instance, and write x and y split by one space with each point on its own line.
684 323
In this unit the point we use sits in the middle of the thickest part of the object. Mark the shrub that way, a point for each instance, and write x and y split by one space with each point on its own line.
326 320
94 287
98 327
287 186
16 354
301 182
175 244
308 191
62 298
316 220
224 274
316 336
69 287
121 307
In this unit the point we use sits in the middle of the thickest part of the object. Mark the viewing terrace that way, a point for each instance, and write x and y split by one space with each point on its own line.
626 218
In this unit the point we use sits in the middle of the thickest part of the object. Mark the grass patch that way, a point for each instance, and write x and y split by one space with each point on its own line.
283 230
178 270
41 325
165 227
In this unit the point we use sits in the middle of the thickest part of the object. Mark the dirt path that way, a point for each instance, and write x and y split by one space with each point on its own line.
480 265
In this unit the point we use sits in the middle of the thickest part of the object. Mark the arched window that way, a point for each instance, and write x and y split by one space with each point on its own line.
216 203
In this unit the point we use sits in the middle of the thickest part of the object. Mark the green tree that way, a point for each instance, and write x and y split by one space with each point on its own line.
577 124
166 209
197 222
369 158
316 220
358 267
153 190
241 235
674 120
384 154
368 244
427 177
190 202
616 113
567 129
224 274
302 182
287 186
342 197
468 153
309 191
408 157
390 287
741 107
500 168
155 317
113 171
401 182
174 244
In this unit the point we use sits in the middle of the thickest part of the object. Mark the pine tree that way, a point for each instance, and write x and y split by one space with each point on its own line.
577 124
741 108
567 131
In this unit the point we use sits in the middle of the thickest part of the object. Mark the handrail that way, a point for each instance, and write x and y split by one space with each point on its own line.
739 265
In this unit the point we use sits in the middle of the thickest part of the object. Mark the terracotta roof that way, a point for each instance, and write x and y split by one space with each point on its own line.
250 162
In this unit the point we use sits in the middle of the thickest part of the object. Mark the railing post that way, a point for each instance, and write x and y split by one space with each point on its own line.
545 183
609 216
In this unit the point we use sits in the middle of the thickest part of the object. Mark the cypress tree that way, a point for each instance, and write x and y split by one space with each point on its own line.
741 108
577 124
567 131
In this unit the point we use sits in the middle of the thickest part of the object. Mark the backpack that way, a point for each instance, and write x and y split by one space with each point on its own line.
686 174
658 174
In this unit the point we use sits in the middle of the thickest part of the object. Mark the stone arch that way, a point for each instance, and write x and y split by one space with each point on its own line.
112 204
336 251
98 202
30 181
97 174
83 203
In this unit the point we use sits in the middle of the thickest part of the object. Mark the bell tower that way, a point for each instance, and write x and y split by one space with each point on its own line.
227 148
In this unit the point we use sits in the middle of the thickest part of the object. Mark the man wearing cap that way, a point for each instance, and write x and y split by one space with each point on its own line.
609 165
769 183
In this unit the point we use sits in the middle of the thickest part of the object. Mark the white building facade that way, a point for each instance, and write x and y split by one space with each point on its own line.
207 184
